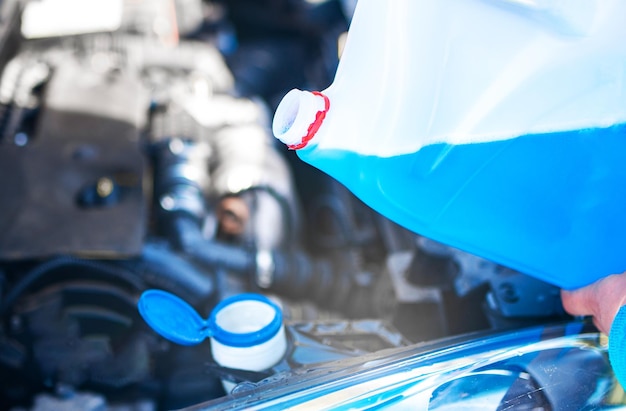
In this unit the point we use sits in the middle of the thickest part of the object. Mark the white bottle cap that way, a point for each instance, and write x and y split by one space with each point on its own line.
295 114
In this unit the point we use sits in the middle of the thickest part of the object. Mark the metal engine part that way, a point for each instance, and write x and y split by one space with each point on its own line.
70 165
100 149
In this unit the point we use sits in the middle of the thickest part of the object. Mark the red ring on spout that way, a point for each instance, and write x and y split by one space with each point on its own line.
315 125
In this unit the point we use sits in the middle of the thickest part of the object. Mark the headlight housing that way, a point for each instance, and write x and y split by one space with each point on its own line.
542 368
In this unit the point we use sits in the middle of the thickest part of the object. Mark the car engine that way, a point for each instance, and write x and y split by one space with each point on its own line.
141 157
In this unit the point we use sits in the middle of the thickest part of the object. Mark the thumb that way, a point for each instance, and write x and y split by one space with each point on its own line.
601 300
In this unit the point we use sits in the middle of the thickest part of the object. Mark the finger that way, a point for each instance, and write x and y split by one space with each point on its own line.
601 300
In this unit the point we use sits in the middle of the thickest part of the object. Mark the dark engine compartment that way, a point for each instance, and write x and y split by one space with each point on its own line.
142 158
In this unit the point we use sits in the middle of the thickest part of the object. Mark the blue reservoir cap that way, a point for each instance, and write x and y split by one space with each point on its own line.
245 339
172 317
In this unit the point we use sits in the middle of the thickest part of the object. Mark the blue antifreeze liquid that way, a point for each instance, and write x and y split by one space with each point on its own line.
551 205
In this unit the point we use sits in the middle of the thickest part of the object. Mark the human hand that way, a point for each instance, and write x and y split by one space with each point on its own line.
601 300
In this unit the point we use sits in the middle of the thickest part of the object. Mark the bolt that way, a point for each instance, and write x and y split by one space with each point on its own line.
508 293
104 187
176 146
20 139
167 202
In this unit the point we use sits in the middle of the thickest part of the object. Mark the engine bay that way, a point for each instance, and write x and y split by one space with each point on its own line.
142 158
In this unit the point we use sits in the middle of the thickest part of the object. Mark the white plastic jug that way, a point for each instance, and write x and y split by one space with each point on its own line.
494 126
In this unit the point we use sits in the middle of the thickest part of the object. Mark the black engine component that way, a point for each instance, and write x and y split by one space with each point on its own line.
72 321
180 180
